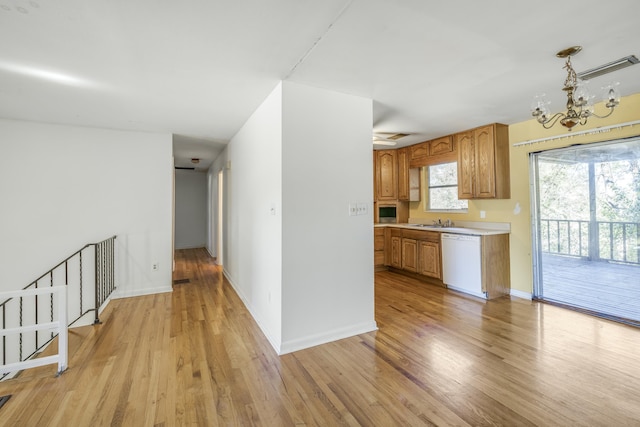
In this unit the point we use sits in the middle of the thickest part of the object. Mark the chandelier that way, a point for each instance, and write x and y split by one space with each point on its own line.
579 100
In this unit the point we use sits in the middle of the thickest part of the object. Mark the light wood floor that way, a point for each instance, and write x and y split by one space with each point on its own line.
196 357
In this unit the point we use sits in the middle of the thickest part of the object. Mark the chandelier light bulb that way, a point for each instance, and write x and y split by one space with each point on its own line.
581 95
611 95
540 106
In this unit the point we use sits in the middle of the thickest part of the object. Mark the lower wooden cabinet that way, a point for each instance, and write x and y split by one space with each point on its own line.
378 248
430 259
414 251
395 259
410 255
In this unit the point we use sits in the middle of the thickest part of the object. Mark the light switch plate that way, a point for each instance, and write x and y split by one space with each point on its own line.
362 208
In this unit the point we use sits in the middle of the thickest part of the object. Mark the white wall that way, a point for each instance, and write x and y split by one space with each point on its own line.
190 209
62 187
306 271
327 257
252 167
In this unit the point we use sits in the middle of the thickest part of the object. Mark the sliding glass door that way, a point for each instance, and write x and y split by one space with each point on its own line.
586 228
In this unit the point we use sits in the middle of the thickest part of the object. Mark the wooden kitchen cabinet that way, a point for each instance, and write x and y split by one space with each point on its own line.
441 146
378 248
408 178
403 174
418 153
410 255
440 150
483 163
395 258
393 247
386 175
415 251
429 260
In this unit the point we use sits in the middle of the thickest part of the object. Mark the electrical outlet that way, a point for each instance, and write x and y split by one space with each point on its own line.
353 209
154 266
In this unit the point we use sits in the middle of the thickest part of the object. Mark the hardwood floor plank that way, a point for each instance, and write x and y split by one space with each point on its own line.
196 357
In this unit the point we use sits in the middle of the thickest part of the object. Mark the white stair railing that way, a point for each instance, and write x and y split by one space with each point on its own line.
59 326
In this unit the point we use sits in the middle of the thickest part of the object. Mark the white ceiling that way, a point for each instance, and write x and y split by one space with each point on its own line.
198 69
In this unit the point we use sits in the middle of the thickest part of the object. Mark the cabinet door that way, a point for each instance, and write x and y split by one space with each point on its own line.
375 179
429 255
464 142
485 163
403 174
410 255
378 247
441 146
387 175
396 252
419 151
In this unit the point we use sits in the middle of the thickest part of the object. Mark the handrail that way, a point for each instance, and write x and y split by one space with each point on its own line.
88 280
61 358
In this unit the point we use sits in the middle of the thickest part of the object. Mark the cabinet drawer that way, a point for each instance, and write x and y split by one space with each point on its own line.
395 232
432 236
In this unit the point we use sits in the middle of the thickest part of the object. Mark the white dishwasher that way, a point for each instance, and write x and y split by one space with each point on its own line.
461 263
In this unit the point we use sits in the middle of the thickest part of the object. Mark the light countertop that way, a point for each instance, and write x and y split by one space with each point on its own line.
469 228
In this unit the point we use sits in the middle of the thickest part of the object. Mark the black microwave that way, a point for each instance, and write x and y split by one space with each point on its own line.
387 214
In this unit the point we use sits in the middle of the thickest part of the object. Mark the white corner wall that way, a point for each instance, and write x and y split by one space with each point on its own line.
252 240
190 209
327 255
302 265
62 187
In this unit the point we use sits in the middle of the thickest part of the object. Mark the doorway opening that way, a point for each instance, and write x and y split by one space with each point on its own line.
586 228
219 225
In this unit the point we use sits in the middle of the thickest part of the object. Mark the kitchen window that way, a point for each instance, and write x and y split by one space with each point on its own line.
442 188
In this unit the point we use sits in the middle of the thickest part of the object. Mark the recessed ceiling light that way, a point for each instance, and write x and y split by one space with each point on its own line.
53 76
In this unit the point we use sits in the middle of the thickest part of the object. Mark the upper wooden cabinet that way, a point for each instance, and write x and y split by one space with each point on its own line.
394 180
483 163
403 174
419 152
386 175
439 150
441 146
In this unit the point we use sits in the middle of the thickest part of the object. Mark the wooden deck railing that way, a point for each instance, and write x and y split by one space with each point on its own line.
615 241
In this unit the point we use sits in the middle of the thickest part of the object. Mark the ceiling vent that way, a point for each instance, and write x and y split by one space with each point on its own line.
621 63
388 138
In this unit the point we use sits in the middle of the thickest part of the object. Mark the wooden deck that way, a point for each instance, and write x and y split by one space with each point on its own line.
196 357
610 289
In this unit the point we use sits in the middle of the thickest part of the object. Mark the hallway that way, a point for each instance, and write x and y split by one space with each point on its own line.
197 357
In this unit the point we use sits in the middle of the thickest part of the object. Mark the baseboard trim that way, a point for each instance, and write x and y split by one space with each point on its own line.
520 294
265 331
326 337
118 294
305 342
